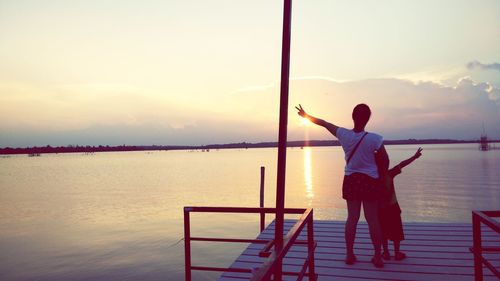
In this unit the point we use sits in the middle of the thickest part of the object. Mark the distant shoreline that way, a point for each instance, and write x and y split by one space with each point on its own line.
313 143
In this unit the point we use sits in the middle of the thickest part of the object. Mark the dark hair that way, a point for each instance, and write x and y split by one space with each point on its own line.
361 114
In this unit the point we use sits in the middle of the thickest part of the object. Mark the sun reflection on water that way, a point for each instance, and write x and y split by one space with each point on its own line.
308 175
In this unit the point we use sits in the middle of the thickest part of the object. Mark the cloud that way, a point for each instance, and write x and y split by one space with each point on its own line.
74 107
117 114
404 109
483 66
401 109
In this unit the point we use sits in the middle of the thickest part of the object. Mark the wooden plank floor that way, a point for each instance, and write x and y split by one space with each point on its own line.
436 251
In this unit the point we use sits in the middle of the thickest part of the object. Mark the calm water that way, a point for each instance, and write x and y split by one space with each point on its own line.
118 216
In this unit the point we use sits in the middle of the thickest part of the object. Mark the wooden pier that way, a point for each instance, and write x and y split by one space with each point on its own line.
436 251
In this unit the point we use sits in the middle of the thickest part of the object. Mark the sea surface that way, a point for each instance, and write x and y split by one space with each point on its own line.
118 216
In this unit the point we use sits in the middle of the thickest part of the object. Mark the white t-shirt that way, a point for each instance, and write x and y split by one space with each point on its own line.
363 160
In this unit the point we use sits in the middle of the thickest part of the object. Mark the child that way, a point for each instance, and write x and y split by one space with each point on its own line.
390 213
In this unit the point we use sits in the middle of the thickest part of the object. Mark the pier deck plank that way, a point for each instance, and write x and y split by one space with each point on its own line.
436 251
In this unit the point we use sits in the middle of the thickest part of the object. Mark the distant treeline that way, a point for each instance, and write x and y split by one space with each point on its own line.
107 148
89 149
66 149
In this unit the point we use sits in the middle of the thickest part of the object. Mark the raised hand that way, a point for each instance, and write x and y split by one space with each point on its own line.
301 111
418 153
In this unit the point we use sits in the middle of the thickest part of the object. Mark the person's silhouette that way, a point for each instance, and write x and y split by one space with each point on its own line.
390 212
361 185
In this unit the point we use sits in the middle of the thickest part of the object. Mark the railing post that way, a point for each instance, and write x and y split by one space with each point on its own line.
310 247
261 203
187 245
477 247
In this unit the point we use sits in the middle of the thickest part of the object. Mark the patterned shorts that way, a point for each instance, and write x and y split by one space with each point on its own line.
361 187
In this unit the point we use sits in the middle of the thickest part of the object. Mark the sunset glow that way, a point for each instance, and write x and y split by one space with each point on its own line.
305 122
132 133
201 72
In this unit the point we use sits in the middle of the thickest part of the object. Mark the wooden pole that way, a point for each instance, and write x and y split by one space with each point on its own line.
261 203
282 135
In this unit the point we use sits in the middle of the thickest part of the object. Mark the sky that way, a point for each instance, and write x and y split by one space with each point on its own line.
195 72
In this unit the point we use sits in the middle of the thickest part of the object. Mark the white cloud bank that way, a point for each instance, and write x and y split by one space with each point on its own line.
401 110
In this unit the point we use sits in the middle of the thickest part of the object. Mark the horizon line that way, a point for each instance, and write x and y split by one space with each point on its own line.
244 144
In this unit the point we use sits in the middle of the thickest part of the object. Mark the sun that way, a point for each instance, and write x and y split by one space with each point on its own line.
305 122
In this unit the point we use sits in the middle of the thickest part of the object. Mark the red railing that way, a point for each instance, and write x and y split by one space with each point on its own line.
274 259
485 217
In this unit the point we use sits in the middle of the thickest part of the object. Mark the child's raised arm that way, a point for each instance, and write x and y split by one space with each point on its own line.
411 159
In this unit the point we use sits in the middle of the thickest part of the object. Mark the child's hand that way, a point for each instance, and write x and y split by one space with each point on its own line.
418 153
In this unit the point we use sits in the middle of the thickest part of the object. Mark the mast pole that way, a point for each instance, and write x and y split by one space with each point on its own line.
282 137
